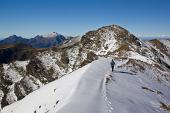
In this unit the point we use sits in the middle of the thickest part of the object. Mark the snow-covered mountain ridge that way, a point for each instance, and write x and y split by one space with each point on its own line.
133 55
95 89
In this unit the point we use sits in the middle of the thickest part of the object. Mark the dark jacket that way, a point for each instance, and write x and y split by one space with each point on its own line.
112 63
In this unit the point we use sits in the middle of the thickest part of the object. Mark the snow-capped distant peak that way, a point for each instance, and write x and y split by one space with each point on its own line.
52 35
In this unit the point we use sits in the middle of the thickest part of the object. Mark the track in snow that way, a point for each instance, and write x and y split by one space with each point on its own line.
92 89
107 79
90 95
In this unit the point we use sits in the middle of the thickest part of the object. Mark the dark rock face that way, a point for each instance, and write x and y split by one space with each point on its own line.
160 46
3 87
17 48
36 69
48 64
16 52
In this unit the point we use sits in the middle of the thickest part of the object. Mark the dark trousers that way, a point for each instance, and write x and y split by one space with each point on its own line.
112 68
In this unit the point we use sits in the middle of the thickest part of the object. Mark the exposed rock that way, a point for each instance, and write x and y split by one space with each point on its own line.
45 65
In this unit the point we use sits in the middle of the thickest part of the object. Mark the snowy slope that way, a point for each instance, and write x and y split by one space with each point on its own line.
166 42
161 48
95 89
148 59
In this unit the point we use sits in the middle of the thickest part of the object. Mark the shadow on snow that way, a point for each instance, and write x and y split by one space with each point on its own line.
124 72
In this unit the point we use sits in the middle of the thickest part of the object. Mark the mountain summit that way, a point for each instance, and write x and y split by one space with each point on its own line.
83 81
52 35
50 40
14 39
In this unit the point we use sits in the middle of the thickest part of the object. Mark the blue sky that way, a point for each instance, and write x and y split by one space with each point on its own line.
28 18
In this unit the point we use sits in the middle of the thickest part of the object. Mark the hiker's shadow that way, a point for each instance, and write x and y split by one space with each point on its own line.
124 72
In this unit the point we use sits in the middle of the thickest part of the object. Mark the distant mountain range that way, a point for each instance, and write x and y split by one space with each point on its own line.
53 39
83 81
155 37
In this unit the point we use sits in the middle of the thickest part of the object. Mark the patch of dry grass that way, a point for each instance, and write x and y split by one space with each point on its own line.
164 106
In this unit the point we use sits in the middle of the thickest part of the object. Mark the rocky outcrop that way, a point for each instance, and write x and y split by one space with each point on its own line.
41 66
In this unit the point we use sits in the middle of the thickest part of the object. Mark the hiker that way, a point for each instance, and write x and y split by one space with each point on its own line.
112 63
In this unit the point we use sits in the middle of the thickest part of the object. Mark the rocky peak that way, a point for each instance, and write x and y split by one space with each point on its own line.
117 42
52 35
110 38
13 36
14 39
49 64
